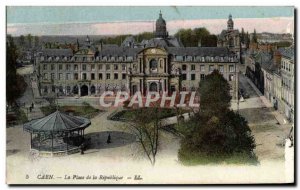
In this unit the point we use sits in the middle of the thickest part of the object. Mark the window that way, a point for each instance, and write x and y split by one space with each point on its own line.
60 76
231 68
184 67
202 76
68 76
52 76
221 68
75 76
100 76
45 76
115 67
123 76
107 75
75 67
116 76
60 67
68 67
52 67
107 67
231 77
45 67
93 76
84 76
183 76
84 67
100 66
211 68
53 88
202 68
192 67
92 67
193 77
123 67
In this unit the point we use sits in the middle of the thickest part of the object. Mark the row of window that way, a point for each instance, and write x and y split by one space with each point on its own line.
202 77
83 67
83 59
286 66
84 76
205 59
210 68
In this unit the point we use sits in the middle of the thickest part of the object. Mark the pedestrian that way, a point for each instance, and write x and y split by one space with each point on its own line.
30 109
108 139
81 148
32 105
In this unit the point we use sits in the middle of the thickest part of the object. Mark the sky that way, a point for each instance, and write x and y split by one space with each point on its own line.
132 20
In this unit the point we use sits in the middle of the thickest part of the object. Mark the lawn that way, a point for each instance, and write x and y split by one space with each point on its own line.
127 115
84 111
18 116
192 159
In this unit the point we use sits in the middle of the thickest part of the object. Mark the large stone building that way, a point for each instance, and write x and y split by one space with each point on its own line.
160 64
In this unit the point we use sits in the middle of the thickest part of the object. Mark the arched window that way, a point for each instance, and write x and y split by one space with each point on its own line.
153 65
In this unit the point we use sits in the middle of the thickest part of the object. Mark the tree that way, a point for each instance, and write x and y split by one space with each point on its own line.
29 40
243 36
254 37
22 41
191 38
209 41
214 94
216 133
15 84
36 41
247 40
145 125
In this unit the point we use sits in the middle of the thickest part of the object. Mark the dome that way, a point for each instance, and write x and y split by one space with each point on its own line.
160 20
230 23
161 27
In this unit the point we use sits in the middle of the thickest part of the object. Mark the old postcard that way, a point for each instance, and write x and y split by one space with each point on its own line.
150 95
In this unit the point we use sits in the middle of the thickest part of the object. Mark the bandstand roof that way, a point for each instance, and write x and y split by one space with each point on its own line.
57 122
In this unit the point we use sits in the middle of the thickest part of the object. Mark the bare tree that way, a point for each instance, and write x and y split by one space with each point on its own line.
145 125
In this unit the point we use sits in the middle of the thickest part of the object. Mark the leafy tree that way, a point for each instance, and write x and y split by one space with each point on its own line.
254 37
15 85
243 36
29 40
209 41
214 94
36 41
22 41
191 38
216 133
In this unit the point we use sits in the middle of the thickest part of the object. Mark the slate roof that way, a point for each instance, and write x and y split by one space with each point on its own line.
287 52
199 51
224 33
119 51
162 42
57 52
57 122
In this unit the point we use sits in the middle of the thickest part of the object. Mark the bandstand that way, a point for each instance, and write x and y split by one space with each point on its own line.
57 134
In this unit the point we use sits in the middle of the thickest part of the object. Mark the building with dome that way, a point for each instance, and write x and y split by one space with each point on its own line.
230 37
160 64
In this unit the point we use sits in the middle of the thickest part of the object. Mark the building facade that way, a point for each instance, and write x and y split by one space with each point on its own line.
160 64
